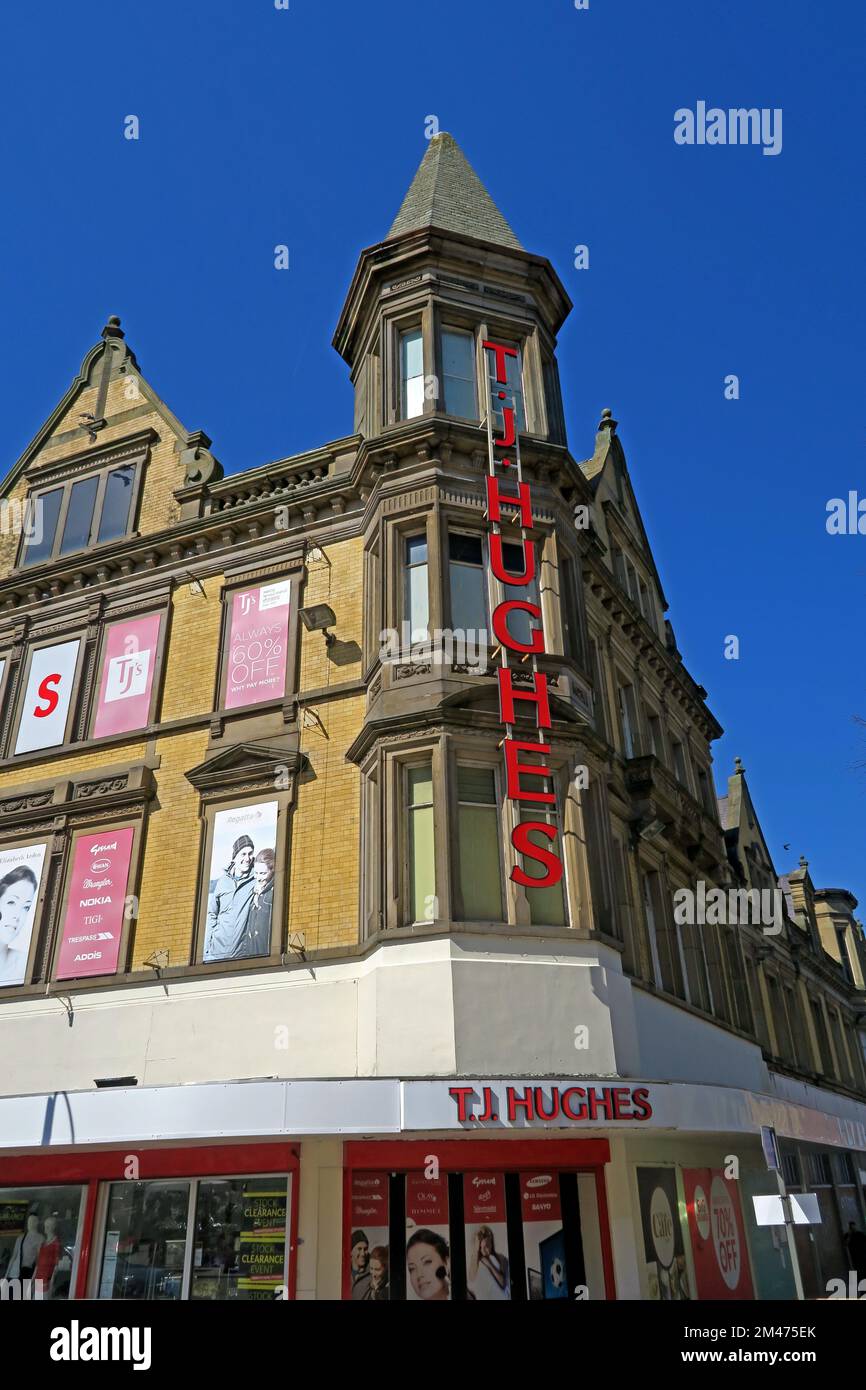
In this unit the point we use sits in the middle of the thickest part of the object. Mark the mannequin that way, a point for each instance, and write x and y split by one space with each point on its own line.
26 1251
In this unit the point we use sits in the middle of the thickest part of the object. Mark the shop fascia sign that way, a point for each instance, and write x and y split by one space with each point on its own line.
552 1104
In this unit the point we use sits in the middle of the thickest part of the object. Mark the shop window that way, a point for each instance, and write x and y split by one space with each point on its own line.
479 844
458 373
411 374
83 512
422 870
199 1239
473 1236
513 387
416 596
468 582
40 1239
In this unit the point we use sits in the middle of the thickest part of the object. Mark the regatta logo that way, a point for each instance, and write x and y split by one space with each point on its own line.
738 906
77 1343
103 849
737 126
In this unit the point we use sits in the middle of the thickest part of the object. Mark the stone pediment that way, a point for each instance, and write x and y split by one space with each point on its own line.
246 766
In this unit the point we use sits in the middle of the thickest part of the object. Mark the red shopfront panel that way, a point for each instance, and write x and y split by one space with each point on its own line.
40 1172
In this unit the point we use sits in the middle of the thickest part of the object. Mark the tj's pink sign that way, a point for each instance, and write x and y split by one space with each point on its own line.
127 676
258 644
94 909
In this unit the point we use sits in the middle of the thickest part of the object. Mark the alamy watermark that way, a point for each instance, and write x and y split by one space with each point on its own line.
718 907
737 126
452 646
19 518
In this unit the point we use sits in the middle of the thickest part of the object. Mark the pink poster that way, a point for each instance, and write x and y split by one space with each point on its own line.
125 686
94 908
258 644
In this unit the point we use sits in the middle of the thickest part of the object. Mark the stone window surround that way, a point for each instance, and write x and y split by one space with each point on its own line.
132 452
247 578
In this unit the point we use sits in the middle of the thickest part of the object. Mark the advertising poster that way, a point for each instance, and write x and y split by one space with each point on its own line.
667 1275
46 700
718 1237
543 1237
241 883
262 1242
488 1275
368 1239
428 1254
258 643
94 908
20 877
125 686
12 1218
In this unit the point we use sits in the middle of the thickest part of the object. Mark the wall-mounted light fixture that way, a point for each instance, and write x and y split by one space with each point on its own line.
318 618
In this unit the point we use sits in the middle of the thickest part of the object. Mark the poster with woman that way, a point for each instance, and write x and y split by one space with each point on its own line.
241 882
20 877
488 1277
428 1254
369 1272
667 1276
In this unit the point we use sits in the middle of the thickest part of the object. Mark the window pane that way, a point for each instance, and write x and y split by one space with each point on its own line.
45 510
116 502
40 1230
458 369
416 550
480 882
411 375
519 622
546 905
145 1241
476 784
240 1238
422 877
418 604
468 584
79 517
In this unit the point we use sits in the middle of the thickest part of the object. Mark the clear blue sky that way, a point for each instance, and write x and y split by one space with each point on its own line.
261 126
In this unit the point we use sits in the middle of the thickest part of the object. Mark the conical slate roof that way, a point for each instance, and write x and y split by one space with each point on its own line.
447 193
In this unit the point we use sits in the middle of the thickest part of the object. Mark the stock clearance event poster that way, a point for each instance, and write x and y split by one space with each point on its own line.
125 686
428 1254
262 1239
368 1241
258 644
667 1276
94 908
488 1275
543 1236
718 1238
46 700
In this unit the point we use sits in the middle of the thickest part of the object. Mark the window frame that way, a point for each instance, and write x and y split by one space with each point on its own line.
282 872
403 331
77 633
37 934
256 580
164 611
458 330
101 471
420 758
461 759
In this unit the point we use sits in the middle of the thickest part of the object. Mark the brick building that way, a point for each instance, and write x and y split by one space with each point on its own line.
276 1010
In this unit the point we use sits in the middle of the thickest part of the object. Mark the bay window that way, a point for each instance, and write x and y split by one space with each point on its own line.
468 582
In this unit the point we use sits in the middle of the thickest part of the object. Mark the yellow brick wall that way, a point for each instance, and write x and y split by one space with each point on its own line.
340 584
323 884
171 858
193 651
